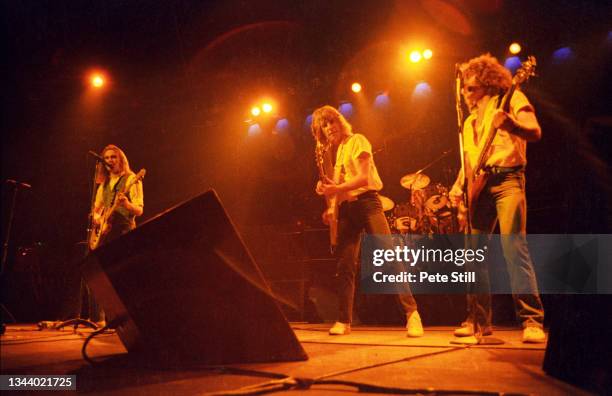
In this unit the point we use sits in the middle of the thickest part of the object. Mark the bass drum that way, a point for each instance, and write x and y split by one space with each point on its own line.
408 218
406 224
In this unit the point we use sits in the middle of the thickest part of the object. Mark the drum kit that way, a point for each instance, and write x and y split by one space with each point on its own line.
427 211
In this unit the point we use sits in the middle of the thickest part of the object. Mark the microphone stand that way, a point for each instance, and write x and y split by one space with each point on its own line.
461 148
75 322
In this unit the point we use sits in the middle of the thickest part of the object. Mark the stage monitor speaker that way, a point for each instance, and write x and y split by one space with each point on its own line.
579 341
183 286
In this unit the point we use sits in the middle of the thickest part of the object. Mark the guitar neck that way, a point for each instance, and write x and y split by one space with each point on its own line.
503 104
322 174
125 189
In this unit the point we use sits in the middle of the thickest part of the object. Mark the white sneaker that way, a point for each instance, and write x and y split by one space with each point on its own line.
340 328
414 326
467 330
533 335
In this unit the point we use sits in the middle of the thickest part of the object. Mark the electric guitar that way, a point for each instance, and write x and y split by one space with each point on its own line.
476 176
98 231
325 167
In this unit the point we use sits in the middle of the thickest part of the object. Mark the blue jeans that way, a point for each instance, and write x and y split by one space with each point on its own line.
503 199
363 214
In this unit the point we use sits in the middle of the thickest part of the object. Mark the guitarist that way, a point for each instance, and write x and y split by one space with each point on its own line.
355 184
111 178
502 200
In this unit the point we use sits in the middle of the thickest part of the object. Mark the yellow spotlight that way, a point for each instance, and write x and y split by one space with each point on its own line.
515 48
415 56
255 111
267 107
427 54
356 87
97 80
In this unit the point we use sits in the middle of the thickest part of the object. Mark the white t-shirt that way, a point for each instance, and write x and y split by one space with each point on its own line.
507 149
347 162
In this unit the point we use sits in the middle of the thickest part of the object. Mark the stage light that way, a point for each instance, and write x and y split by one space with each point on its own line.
356 87
255 110
381 101
282 125
562 54
346 109
254 129
415 56
266 107
421 90
97 81
308 122
512 63
427 54
514 48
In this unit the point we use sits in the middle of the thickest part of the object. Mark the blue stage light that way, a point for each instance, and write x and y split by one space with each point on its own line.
346 109
282 125
421 90
562 55
308 122
512 63
254 129
382 101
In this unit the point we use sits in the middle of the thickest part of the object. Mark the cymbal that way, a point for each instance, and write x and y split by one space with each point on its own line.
387 203
414 181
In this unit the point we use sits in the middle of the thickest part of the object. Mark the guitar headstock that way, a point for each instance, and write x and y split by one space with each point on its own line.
320 150
526 70
140 175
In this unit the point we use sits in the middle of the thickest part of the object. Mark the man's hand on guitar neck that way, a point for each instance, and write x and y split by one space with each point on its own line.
503 120
326 187
123 201
525 125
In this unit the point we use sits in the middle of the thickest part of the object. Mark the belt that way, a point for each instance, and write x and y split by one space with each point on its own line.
500 170
366 194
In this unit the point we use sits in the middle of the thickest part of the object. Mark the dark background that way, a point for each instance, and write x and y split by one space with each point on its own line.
184 74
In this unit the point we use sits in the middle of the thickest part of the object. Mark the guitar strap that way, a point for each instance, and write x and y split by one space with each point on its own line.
115 189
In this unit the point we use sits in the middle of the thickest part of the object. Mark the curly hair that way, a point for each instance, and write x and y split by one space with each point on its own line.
322 114
488 72
102 174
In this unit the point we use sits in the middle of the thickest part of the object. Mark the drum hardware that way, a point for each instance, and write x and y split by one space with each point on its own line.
429 210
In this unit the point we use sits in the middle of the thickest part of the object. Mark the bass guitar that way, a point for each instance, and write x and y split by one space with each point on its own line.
477 176
325 167
103 228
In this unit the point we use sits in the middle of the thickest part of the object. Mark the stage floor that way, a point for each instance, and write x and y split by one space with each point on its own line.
380 356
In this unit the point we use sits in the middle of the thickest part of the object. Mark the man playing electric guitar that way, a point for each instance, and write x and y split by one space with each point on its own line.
502 199
355 186
112 177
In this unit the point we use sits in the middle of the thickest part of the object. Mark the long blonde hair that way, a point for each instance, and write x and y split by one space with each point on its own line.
102 174
326 113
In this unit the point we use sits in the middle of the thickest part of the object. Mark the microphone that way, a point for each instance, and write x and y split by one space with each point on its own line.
96 156
99 158
18 184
